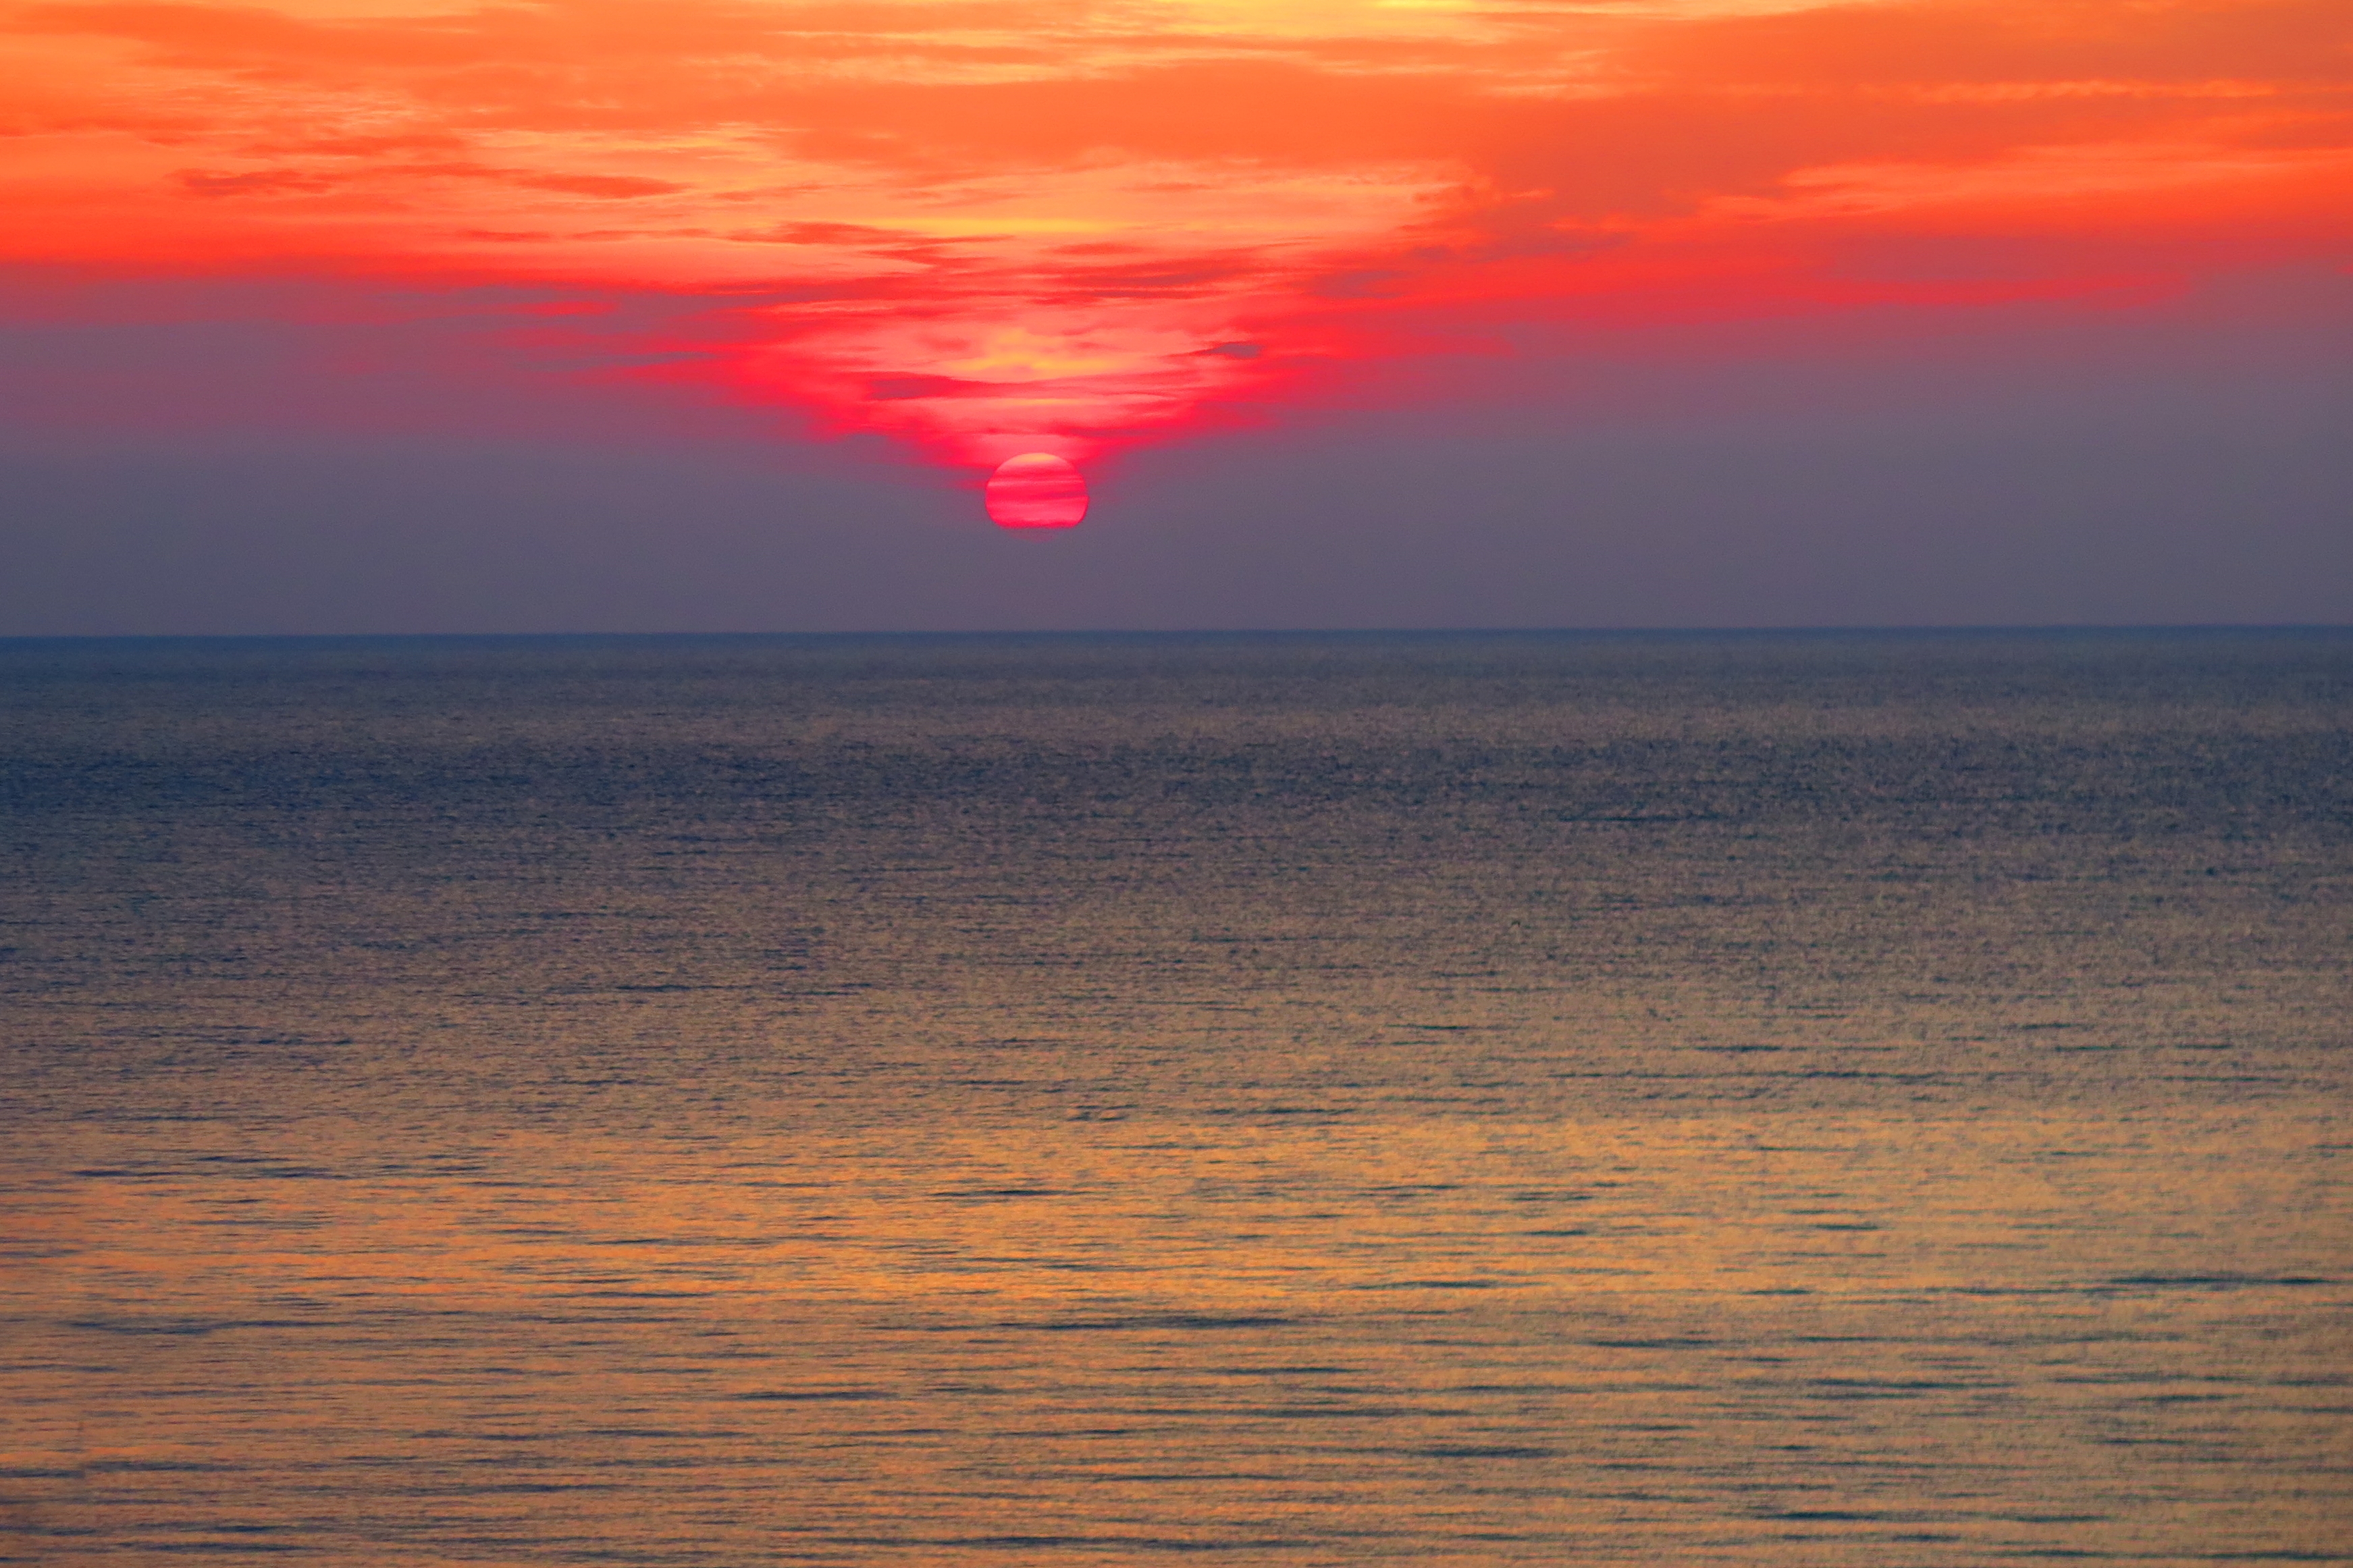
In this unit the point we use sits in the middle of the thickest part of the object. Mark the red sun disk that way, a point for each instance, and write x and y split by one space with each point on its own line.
1037 490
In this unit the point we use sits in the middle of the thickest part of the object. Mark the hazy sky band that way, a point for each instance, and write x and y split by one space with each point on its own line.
990 229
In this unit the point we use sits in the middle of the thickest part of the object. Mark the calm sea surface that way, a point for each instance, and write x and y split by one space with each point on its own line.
1778 1101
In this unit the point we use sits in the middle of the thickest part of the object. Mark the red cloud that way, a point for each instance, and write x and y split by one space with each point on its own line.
996 226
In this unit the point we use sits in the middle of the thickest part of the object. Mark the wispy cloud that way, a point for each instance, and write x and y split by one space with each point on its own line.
993 225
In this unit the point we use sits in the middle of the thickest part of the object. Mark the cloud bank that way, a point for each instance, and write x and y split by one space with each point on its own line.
988 226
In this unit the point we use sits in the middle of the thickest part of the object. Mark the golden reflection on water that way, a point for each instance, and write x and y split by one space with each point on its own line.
1342 1122
1456 1341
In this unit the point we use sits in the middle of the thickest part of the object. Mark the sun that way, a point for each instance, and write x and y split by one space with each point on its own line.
1037 490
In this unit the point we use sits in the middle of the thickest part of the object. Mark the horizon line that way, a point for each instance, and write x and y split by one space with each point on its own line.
1919 630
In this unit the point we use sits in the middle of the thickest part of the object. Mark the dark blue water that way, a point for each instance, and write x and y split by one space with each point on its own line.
1311 1099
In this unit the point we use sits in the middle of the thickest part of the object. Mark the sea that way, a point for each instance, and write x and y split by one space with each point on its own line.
1806 1100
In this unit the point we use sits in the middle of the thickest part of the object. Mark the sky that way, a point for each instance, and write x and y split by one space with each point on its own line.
618 315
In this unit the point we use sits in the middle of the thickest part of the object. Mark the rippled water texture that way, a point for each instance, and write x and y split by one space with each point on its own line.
1775 1100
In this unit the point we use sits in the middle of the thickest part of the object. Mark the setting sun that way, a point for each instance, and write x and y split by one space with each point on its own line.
1037 490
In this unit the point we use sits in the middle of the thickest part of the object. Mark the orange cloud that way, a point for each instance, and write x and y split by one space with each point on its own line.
990 226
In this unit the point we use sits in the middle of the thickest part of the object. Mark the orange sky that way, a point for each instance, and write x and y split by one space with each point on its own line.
988 226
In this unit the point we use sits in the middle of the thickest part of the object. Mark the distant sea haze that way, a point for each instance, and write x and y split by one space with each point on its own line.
1800 1100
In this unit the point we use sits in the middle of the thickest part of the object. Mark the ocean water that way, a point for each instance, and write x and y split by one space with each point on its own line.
1777 1099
